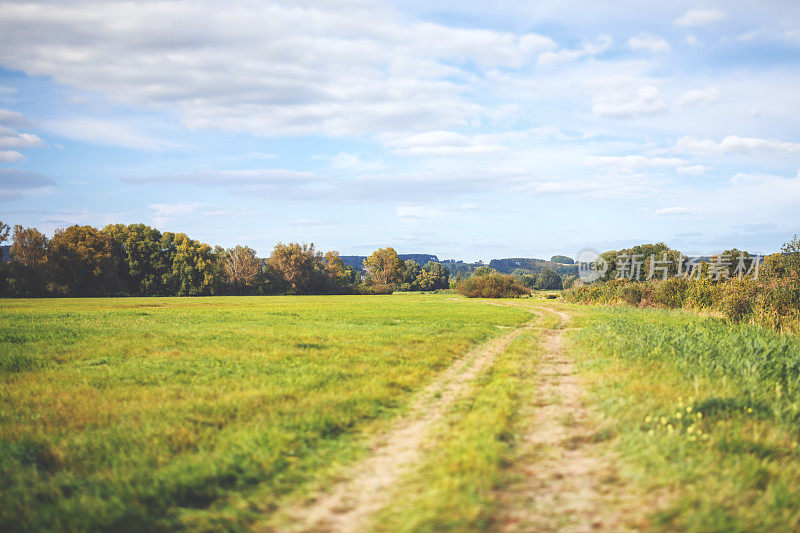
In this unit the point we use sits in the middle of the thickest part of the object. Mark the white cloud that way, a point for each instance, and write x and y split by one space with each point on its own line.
412 213
10 138
11 156
163 214
552 58
701 17
15 183
354 162
648 42
270 68
631 163
692 170
171 210
447 143
709 95
622 98
735 144
106 132
672 211
13 118
258 176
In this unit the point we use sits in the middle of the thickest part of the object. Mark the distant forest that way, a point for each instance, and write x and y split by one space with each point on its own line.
562 264
139 260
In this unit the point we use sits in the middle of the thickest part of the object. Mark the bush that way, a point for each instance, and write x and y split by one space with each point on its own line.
376 288
491 286
632 294
701 294
670 293
738 299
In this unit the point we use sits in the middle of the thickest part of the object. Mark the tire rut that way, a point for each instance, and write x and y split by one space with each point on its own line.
568 475
366 486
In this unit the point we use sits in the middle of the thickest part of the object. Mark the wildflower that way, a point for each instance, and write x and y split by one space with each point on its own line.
699 414
749 410
690 429
663 420
678 416
688 408
647 419
670 428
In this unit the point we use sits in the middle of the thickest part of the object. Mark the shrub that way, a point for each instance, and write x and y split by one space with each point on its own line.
738 299
376 288
491 286
701 294
632 294
670 293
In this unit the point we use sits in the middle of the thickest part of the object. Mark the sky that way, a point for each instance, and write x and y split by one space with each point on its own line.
470 130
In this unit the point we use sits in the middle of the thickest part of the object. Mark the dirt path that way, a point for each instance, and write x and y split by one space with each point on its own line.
568 480
350 503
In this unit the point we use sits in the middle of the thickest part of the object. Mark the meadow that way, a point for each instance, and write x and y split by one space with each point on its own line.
219 413
172 413
704 413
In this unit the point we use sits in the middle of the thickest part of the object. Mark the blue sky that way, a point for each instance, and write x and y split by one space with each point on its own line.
527 129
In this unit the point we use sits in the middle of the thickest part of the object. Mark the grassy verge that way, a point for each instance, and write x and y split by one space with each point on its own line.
704 413
171 413
454 488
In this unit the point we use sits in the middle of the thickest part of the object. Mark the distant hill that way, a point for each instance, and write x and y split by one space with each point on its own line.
532 265
357 261
506 266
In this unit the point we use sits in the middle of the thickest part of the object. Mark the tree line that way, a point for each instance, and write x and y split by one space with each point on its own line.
138 260
764 292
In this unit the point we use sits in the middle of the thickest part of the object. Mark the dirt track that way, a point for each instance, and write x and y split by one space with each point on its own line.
350 503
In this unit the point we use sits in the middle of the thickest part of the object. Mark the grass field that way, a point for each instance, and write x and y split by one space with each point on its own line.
213 413
706 415
197 413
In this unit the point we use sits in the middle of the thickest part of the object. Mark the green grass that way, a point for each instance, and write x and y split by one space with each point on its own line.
170 413
705 415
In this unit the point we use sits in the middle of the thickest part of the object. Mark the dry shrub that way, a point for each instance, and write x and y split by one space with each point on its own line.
491 286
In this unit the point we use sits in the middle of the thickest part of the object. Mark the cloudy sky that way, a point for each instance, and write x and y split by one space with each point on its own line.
526 129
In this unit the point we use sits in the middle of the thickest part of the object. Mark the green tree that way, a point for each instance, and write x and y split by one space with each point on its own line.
28 269
384 267
439 275
145 261
193 266
563 259
548 280
790 259
83 262
411 273
484 271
